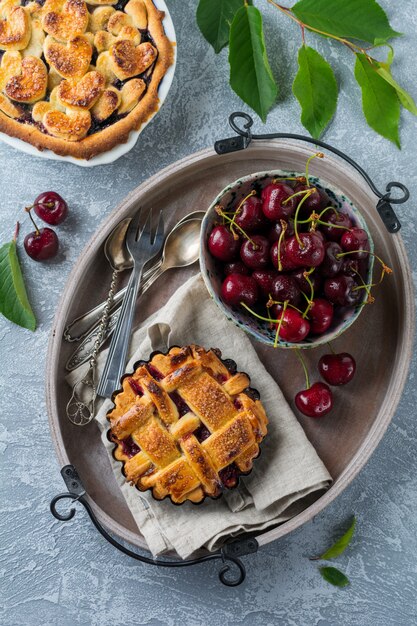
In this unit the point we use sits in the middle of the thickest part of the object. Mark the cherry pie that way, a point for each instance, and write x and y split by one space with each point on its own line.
186 424
77 76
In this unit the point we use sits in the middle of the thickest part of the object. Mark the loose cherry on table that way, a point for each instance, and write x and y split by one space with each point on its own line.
50 207
337 369
42 243
315 401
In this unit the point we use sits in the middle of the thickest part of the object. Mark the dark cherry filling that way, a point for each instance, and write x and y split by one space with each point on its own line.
97 126
229 476
202 433
135 387
231 366
221 378
129 447
182 406
154 372
238 404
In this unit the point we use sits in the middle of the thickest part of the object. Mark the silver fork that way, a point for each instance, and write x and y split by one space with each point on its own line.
143 244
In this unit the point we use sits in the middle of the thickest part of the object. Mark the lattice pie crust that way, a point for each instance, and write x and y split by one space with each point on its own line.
186 424
76 77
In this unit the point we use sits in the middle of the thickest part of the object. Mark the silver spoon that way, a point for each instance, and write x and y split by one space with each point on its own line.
181 249
119 259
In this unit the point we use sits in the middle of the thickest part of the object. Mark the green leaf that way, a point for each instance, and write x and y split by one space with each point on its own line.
340 546
334 576
404 97
355 19
250 74
315 88
214 18
14 303
379 100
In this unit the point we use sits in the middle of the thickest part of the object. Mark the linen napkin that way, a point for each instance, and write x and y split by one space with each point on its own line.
285 477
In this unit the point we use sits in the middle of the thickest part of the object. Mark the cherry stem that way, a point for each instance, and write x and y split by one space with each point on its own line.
280 239
307 194
300 179
386 269
281 319
306 275
318 155
330 348
233 225
236 213
319 221
16 231
28 209
300 358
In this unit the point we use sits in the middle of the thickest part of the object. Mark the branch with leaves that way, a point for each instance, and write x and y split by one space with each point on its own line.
359 25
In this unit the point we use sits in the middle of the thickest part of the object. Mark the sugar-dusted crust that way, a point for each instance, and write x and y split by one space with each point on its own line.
183 423
118 132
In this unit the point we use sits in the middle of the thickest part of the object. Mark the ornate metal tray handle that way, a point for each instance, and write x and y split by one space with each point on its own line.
245 136
232 572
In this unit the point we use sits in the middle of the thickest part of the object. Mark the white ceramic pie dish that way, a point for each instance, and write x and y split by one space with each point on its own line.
121 149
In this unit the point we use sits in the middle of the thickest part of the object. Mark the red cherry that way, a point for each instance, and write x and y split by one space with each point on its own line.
250 216
339 219
341 290
222 244
315 401
309 254
286 263
238 288
264 280
356 239
275 230
275 311
337 369
332 263
254 252
50 207
274 201
41 244
317 199
320 315
302 283
294 327
353 267
235 267
284 287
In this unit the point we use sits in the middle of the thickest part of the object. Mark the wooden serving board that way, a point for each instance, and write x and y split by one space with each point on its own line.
381 340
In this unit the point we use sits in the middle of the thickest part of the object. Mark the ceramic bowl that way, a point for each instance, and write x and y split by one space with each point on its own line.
212 269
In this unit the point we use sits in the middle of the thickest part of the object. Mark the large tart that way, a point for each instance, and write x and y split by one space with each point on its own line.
77 76
186 424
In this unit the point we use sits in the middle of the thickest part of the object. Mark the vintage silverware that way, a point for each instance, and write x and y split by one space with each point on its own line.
143 243
181 249
78 328
80 407
119 260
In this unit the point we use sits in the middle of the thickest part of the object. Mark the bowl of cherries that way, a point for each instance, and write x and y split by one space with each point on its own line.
287 257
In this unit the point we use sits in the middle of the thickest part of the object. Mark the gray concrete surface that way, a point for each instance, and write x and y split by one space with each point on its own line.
64 574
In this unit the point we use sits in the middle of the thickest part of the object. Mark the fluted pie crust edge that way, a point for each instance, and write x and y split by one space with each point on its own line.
194 428
119 131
